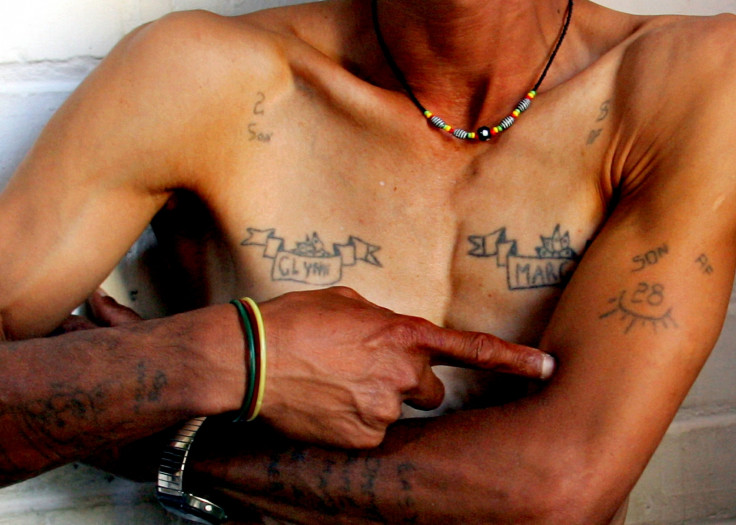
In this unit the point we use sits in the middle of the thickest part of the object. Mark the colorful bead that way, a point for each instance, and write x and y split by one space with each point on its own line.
507 122
484 133
438 122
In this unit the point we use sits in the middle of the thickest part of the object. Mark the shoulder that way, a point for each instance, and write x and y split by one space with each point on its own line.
192 67
676 47
266 40
193 58
186 46
675 61
672 93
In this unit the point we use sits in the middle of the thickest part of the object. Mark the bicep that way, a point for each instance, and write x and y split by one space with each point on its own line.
638 320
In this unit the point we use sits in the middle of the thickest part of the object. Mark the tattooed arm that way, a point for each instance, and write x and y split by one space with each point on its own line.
632 330
67 397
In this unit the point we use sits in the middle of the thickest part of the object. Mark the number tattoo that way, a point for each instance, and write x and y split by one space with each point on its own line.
603 112
259 109
641 307
704 264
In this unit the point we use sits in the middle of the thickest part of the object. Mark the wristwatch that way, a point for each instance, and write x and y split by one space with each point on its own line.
170 485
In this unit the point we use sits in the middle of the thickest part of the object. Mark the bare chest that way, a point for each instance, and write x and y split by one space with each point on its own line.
484 242
335 182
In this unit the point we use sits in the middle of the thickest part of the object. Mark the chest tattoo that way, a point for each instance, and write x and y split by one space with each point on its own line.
310 262
552 265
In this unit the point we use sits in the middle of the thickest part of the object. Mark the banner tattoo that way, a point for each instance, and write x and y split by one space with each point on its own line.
310 263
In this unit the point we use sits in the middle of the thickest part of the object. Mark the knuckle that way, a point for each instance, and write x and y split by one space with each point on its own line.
405 331
345 292
407 379
479 348
370 439
387 412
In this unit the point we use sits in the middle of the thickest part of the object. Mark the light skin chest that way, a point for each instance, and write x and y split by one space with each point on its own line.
474 236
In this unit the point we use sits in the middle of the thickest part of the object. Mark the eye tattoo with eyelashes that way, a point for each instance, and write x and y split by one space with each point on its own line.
631 308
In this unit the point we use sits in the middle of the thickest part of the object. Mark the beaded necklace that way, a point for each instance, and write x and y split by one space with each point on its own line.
484 132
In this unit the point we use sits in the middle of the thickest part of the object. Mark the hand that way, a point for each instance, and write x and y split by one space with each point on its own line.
105 310
339 367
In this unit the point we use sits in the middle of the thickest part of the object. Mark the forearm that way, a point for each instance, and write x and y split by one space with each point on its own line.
64 398
468 467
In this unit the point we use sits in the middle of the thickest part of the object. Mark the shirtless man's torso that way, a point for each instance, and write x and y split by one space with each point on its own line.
288 158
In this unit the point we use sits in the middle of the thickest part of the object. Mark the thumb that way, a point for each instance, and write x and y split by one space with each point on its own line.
488 352
107 311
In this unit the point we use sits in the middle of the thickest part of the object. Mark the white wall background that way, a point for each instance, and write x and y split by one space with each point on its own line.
48 46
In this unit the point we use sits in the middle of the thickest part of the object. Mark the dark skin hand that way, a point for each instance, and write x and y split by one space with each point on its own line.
376 336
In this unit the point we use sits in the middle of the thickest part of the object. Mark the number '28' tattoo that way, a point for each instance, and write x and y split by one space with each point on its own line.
644 306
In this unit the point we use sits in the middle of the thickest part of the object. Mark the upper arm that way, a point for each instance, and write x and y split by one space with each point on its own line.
103 166
647 302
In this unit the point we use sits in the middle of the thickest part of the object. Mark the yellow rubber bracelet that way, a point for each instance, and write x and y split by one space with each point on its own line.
262 337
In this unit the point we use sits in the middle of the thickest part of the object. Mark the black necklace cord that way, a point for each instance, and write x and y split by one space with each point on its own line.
484 133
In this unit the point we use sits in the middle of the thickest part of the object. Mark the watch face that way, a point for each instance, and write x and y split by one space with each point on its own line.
189 517
203 511
170 481
194 509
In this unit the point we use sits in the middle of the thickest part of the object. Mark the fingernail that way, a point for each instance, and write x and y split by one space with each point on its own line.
548 366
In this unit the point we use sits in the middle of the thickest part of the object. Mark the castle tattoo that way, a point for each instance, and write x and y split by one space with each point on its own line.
552 265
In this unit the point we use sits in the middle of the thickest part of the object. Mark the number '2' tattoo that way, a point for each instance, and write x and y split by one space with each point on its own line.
310 262
254 130
641 307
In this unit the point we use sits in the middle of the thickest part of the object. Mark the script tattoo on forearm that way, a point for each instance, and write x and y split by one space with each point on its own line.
344 485
552 265
643 306
149 387
61 424
310 262
406 499
72 418
603 112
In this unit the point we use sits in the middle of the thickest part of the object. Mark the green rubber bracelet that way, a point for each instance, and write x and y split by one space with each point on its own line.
251 386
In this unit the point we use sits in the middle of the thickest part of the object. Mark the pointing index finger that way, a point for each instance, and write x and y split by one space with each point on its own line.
488 352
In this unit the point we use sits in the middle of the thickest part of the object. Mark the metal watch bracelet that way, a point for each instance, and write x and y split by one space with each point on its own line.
170 485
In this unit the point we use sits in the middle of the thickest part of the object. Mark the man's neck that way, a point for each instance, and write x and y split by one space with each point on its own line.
471 59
